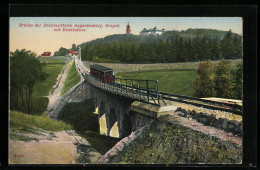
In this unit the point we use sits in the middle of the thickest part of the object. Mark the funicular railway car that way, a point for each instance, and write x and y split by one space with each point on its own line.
102 73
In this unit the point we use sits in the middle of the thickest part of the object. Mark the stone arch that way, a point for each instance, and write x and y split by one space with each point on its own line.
102 119
102 109
112 118
112 122
96 101
126 125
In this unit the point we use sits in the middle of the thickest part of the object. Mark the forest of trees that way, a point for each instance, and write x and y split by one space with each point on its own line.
171 46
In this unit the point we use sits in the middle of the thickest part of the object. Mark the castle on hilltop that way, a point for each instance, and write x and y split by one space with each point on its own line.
153 31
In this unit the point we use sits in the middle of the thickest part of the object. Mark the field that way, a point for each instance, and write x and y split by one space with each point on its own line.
157 66
72 79
171 81
173 77
54 60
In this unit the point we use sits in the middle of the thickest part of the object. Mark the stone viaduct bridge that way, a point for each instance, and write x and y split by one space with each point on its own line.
121 110
126 105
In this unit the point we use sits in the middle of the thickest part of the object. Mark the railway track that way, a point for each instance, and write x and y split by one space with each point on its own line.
208 104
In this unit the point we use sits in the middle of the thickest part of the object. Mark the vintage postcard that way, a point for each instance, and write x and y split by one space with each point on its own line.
126 90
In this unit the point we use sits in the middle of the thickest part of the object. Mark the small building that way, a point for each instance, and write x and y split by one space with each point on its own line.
153 31
46 54
71 53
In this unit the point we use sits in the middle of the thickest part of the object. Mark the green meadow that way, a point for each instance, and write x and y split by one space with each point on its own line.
171 81
54 60
42 89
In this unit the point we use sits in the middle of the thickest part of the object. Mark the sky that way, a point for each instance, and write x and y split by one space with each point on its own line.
42 39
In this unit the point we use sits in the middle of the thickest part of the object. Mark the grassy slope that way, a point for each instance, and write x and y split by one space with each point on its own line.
172 81
169 143
24 123
42 89
72 79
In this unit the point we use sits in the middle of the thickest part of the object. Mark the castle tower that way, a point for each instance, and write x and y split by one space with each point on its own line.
128 30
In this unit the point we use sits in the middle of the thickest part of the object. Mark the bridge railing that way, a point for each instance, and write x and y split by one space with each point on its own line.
142 90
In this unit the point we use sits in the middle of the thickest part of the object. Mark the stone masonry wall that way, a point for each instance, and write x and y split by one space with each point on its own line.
232 126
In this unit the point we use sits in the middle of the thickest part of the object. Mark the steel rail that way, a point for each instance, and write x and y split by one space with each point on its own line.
233 106
209 104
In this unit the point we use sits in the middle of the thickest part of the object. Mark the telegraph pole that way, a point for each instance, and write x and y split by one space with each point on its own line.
79 53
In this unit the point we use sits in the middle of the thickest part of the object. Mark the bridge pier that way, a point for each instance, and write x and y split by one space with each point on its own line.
143 113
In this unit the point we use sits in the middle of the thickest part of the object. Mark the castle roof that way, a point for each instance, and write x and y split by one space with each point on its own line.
152 30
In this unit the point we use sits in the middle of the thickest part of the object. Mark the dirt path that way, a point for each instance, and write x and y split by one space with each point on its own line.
53 98
65 147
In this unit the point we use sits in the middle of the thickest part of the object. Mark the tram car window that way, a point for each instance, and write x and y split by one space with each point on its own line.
102 73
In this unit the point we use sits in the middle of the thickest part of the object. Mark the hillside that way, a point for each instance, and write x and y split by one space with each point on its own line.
192 33
172 46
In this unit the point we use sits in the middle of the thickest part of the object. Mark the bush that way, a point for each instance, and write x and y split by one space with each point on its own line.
238 80
204 83
219 81
224 83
